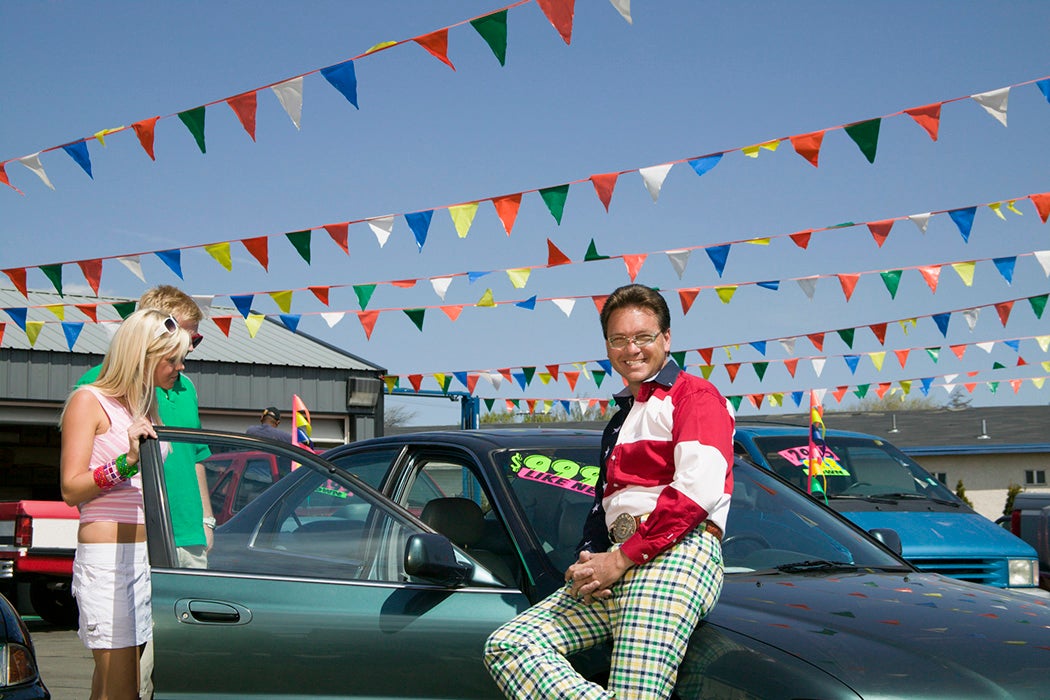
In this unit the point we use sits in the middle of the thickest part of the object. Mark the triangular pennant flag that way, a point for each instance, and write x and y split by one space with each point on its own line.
879 329
493 29
931 273
321 292
173 259
507 210
5 180
921 221
436 44
33 163
223 323
79 153
852 361
866 136
89 310
259 247
808 285
1042 204
283 299
463 217
687 297
221 253
719 255
290 95
245 106
928 117
487 299
59 310
680 258
416 315
892 280
554 198
194 121
703 165
965 271
731 369
340 234
290 321
963 218
243 302
519 277
847 335
254 323
145 131
604 185
300 240
934 353
705 354
1038 304
364 294
33 329
343 78
726 293
559 13
368 321
634 264
848 283
572 378
942 321
475 276
72 332
994 103
1004 310
566 305
653 177
17 276
877 358
553 369
92 270
382 228
791 365
419 222
1006 267
902 356
529 303
18 315
760 346
124 309
801 238
808 145
760 369
880 230
818 341
862 390
592 253
555 256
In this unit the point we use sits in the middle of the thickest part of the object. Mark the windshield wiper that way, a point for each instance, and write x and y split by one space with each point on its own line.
918 497
816 565
882 498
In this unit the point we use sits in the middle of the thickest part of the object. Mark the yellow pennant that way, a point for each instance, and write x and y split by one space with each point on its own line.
463 217
997 208
750 151
221 253
101 135
1038 382
965 271
1011 207
907 324
877 359
520 277
254 323
1044 341
439 377
545 377
1046 366
283 300
33 329
391 383
725 293
59 310
380 46
486 299
547 405
705 371
905 386
758 241
776 400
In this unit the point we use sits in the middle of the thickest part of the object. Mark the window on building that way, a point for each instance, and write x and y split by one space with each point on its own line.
1035 477
942 477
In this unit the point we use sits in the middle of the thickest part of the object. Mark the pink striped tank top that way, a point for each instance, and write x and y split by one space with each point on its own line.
123 502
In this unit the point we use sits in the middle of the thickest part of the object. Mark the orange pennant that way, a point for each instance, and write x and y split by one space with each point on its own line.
849 283
882 389
959 350
801 238
808 146
244 106
506 374
559 13
928 117
259 247
340 233
403 284
706 354
555 256
634 264
571 378
145 131
472 382
931 273
89 310
321 293
599 301
818 341
223 322
902 356
1042 204
437 44
507 209
368 321
791 365
732 368
553 369
18 278
840 392
604 186
92 270
452 311
416 380
687 297
880 230
1004 310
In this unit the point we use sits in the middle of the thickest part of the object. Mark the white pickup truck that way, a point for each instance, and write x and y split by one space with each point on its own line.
37 542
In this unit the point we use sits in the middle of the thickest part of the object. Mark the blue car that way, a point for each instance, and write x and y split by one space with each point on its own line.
881 489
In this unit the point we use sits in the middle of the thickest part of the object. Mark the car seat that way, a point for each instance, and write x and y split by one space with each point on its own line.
461 520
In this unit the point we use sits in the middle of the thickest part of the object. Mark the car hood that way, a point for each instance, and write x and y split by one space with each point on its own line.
945 535
895 635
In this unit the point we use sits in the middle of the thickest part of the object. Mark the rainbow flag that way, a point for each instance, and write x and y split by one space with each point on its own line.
817 446
302 431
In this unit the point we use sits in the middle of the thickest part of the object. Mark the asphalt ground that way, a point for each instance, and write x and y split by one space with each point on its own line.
65 663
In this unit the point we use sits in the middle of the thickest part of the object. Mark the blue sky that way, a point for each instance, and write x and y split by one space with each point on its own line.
685 79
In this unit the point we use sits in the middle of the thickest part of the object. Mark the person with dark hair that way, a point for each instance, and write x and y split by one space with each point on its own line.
649 564
267 428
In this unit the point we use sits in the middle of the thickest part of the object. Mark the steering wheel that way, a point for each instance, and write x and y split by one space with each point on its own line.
855 485
737 540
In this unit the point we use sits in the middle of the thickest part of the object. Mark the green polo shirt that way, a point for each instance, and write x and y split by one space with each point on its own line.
177 408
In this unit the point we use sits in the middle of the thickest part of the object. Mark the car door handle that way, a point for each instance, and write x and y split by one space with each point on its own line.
211 612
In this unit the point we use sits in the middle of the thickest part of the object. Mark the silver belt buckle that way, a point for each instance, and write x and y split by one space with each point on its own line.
623 527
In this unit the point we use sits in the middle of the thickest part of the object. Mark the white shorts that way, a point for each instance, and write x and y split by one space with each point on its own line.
111 583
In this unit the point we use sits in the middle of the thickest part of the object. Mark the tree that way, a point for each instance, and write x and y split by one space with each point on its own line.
396 416
1010 495
894 401
960 491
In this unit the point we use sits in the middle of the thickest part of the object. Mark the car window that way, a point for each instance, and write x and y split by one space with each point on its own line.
371 466
256 478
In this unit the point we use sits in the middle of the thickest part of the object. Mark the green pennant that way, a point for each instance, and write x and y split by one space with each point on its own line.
599 376
998 365
54 273
866 136
416 315
934 353
993 387
847 336
592 253
489 403
679 358
529 373
1038 304
554 198
735 400
892 280
194 121
124 308
493 29
301 241
760 369
862 390
445 381
364 294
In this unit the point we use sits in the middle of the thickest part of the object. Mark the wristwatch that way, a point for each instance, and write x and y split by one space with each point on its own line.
209 522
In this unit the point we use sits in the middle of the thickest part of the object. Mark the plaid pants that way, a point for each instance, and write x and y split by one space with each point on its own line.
649 619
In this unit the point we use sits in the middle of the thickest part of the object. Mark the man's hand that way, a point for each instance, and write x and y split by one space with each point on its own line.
592 576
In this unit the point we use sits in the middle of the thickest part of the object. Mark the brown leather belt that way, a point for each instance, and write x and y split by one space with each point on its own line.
626 525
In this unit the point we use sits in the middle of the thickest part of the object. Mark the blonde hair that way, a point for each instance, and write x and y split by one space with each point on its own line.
172 300
141 342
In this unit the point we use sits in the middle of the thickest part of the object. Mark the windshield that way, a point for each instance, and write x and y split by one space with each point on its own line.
769 524
853 466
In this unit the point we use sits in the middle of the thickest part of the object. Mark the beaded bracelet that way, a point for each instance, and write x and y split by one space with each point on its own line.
112 473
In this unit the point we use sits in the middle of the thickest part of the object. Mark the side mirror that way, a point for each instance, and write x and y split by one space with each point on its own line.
888 537
430 557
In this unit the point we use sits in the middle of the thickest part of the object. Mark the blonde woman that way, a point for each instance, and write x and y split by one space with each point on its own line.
101 427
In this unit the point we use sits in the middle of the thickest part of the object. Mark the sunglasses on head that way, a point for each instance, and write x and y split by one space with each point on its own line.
171 325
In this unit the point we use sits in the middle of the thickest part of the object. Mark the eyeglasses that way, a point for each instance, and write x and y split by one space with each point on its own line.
171 325
619 342
195 340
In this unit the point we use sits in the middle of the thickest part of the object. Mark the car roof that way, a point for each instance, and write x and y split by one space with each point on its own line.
499 438
767 430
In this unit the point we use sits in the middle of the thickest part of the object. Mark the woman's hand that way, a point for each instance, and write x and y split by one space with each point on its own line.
139 429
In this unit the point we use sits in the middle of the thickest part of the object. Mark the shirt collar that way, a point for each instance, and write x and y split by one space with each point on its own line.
666 377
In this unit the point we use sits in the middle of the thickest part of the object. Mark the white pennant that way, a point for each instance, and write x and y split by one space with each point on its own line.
654 177
204 302
788 344
495 378
679 259
809 286
566 305
382 228
1043 256
987 346
440 285
921 220
290 95
624 8
950 377
994 103
332 317
33 163
819 394
818 365
949 388
132 263
971 317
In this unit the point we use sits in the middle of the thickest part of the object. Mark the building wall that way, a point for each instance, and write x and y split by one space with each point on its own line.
986 477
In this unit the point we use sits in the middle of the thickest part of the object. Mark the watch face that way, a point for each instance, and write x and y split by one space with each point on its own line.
623 527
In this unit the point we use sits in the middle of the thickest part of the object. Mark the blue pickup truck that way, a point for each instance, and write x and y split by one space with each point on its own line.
879 488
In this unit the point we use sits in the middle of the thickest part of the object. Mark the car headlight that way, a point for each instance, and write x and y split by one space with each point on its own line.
1023 572
16 665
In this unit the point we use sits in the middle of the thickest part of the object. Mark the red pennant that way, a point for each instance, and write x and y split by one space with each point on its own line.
472 382
1021 361
144 130
902 356
849 283
970 386
634 264
259 247
553 370
756 399
732 368
687 297
507 209
437 44
928 117
4 326
3 179
452 311
706 354
1004 310
973 374
801 238
18 278
1042 204
92 270
555 256
959 350
89 310
882 389
404 284
1016 384
603 404
879 329
791 365
243 106
340 233
880 230
818 341
839 393
604 186
321 293
599 301
416 380
223 322
368 321
559 13
506 374
931 273
808 145
571 378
